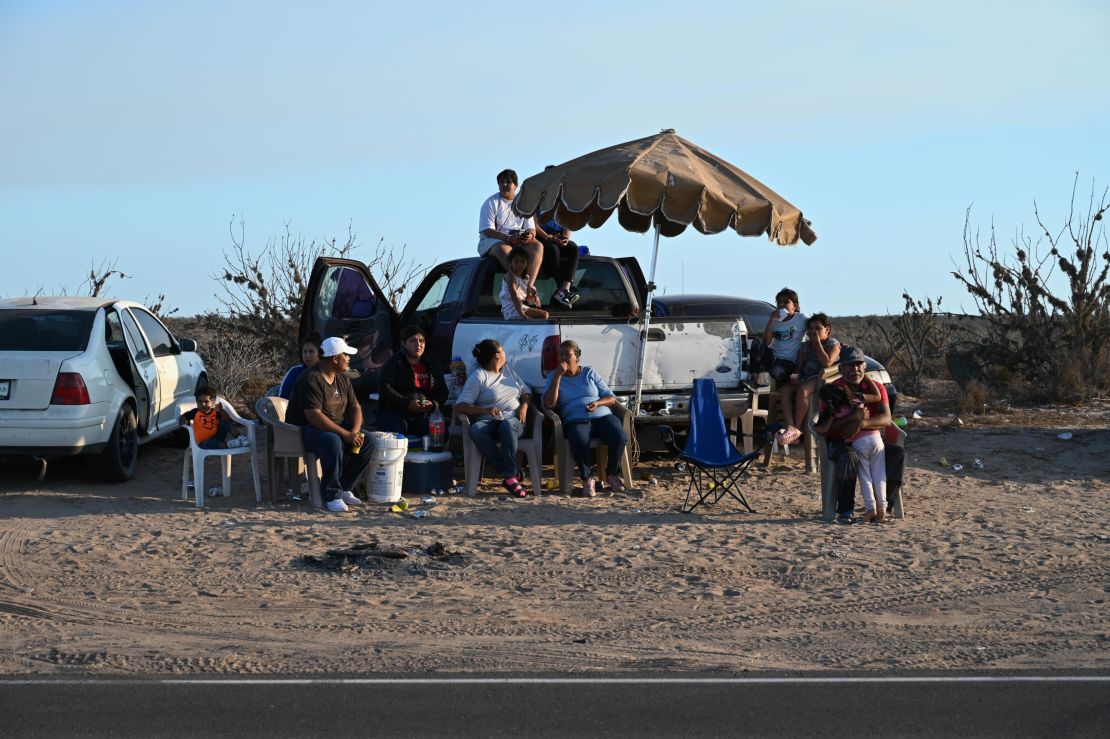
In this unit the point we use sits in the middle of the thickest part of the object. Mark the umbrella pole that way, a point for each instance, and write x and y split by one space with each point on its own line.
647 325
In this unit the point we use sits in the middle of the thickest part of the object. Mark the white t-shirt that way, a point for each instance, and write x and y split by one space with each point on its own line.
787 337
497 214
493 390
508 308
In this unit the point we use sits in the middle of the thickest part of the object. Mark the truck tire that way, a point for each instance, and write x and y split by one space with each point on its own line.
120 458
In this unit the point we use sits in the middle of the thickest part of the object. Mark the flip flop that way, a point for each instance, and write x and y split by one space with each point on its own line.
515 488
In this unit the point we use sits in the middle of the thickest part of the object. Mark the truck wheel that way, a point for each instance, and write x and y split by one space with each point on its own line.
120 458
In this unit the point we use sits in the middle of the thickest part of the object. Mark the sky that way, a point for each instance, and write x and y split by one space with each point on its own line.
136 132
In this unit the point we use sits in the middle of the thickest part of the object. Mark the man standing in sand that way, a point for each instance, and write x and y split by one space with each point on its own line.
324 405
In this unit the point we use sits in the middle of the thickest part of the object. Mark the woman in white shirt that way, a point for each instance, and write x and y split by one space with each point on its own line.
496 400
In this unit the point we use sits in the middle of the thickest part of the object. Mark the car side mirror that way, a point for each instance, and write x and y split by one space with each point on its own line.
187 345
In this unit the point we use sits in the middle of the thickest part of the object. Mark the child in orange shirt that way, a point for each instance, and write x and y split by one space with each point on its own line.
211 426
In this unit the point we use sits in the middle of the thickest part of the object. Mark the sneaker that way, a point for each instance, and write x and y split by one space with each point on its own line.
349 498
337 506
563 297
589 488
243 440
573 295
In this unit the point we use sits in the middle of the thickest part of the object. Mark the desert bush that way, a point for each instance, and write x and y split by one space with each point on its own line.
974 397
916 341
265 290
239 365
1046 305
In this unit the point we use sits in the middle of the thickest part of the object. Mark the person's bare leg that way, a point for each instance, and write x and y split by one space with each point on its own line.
801 409
500 252
786 397
535 257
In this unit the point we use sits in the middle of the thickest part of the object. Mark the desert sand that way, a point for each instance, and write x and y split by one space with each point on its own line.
1004 567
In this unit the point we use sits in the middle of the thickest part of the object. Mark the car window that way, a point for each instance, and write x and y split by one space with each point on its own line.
135 341
429 303
344 294
45 331
113 330
160 340
599 283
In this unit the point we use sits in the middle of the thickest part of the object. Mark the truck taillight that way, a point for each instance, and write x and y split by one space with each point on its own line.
549 353
69 389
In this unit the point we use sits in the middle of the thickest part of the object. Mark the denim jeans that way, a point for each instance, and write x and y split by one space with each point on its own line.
401 422
607 428
216 441
487 432
341 468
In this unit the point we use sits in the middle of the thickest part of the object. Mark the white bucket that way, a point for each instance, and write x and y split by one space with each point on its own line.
387 466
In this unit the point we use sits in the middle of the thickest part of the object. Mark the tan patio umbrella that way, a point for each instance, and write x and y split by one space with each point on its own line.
665 181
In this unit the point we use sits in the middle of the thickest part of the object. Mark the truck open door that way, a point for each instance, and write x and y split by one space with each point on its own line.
343 299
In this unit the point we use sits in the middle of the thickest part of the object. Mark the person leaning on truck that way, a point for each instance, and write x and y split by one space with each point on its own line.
582 399
410 386
500 229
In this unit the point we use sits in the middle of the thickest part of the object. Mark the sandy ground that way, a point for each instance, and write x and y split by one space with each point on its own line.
1004 567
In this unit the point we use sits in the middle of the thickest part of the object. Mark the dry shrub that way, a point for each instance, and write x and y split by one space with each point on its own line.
1046 306
974 398
239 365
264 290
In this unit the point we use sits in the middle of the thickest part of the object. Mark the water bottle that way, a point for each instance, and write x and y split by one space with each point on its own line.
437 428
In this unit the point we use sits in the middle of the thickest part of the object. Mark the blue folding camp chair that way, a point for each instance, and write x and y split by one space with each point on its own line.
716 466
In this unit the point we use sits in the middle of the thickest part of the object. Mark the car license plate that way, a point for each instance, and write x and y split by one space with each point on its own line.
5 389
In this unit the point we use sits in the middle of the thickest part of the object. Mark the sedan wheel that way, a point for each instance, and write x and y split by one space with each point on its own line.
120 458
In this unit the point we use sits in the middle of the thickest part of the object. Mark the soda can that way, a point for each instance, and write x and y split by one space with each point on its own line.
418 514
428 500
427 442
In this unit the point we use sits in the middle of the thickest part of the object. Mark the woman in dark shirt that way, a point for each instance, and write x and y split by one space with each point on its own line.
410 387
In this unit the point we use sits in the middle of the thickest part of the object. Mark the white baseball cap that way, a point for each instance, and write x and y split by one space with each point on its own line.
334 345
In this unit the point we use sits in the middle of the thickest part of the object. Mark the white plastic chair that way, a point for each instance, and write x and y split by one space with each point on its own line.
194 458
285 441
531 448
564 459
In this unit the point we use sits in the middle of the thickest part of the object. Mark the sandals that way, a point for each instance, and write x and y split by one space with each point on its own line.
514 487
615 483
790 436
589 487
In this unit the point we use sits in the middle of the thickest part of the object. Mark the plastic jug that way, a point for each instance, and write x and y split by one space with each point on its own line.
437 429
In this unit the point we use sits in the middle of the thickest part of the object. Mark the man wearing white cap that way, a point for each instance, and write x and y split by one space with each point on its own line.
325 407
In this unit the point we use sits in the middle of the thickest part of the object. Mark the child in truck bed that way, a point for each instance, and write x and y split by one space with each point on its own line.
516 300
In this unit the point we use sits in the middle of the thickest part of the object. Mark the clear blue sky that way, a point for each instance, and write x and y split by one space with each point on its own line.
137 130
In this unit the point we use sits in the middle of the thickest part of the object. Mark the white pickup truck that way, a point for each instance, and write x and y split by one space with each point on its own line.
457 305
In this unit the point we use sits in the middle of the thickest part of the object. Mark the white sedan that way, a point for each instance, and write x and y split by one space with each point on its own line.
90 376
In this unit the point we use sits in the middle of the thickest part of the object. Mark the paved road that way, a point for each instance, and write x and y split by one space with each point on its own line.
528 706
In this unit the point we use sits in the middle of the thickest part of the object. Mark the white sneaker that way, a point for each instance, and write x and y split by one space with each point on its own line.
349 498
336 506
243 441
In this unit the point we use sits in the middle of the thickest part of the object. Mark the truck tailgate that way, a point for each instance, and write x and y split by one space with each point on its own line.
678 352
